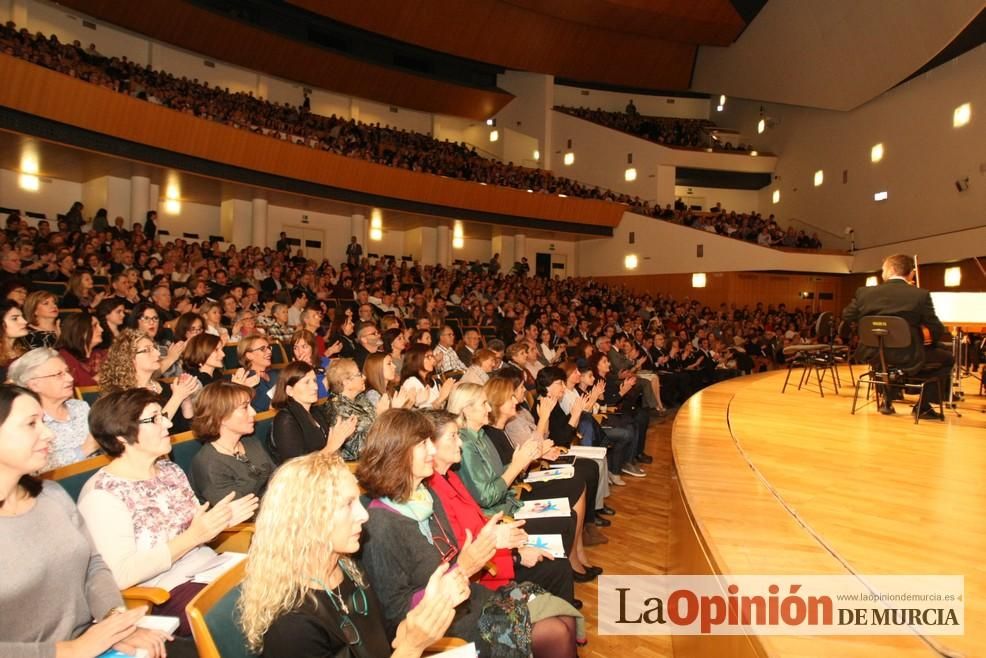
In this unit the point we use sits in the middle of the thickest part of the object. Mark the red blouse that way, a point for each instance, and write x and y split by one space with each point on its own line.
465 513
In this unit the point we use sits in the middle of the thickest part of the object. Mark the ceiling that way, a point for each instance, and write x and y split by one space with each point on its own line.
58 161
638 43
834 55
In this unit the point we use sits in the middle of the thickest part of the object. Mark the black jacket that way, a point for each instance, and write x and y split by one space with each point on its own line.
896 297
295 432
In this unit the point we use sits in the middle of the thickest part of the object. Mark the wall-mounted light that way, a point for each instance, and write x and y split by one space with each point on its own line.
872 281
776 196
569 158
953 277
961 115
819 177
494 135
376 225
722 99
630 261
491 122
876 153
698 280
458 239
630 174
761 126
880 196
28 179
753 154
537 155
172 198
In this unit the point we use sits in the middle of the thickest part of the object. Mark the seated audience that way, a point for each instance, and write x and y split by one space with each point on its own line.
297 430
80 336
48 557
82 292
410 536
13 332
304 347
305 595
142 514
112 316
348 386
44 372
418 382
254 354
528 563
232 460
41 312
133 361
483 362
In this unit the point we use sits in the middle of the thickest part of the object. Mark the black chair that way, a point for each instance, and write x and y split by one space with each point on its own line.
818 357
885 332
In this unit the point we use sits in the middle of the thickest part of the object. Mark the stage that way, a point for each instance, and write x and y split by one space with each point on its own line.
772 483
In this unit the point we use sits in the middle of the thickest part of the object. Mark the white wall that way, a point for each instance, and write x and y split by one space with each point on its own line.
518 148
601 157
468 131
55 196
742 201
529 112
924 156
664 248
662 106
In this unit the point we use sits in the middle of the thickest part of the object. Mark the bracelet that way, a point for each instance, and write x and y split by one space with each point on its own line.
113 611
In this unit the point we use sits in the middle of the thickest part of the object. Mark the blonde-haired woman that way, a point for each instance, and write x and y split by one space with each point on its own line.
41 311
303 595
132 361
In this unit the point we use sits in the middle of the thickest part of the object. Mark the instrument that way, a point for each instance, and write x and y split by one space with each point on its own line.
927 338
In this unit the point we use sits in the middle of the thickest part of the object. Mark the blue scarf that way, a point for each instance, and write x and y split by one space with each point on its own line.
420 506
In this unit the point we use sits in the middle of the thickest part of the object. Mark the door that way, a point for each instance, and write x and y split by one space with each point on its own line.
559 265
542 265
311 240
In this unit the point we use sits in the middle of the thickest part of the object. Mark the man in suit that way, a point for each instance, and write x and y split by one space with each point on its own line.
896 296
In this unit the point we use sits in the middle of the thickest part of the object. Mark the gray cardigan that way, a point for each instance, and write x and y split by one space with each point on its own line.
213 475
399 560
54 581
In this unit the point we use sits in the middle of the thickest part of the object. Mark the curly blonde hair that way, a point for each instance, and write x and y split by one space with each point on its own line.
289 546
117 371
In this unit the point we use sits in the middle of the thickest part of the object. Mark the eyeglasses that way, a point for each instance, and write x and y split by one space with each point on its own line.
146 350
156 419
60 373
152 318
262 348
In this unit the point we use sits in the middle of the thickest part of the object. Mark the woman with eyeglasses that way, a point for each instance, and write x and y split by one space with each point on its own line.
231 461
140 509
44 372
133 361
81 335
410 535
304 596
145 318
348 386
13 332
41 311
48 556
297 430
418 382
188 325
304 347
254 353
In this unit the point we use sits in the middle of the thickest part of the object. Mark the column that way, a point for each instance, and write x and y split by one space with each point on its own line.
443 246
520 251
236 221
429 244
140 199
665 184
18 12
259 217
359 227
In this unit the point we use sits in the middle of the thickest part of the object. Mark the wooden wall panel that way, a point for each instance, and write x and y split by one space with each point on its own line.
42 92
743 288
202 31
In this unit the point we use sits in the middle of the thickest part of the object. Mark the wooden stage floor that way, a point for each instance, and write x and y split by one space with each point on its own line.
793 483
